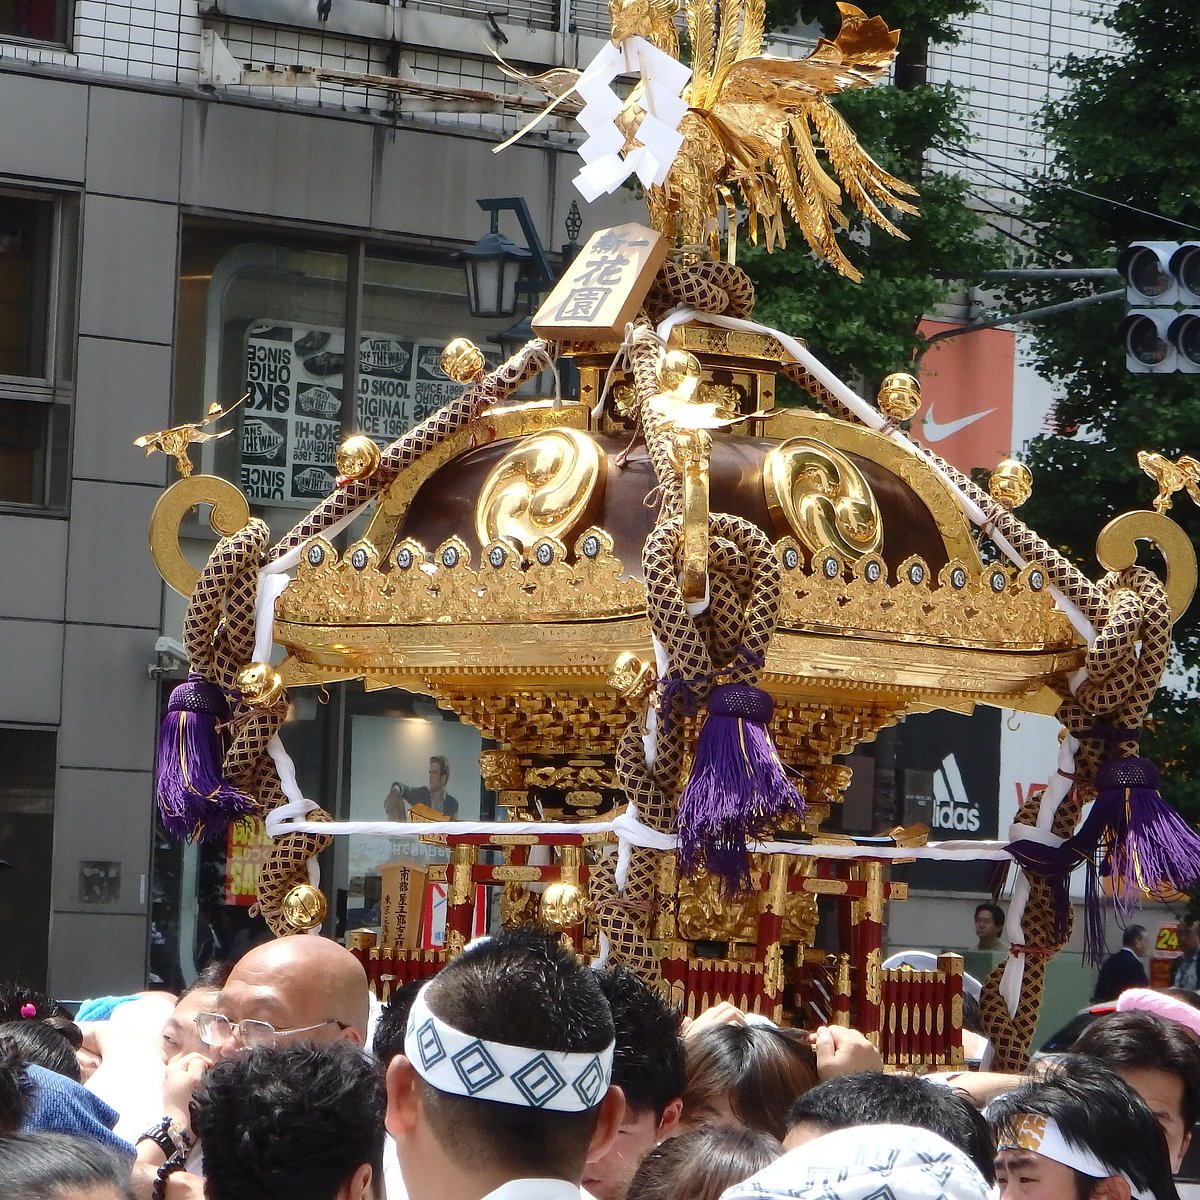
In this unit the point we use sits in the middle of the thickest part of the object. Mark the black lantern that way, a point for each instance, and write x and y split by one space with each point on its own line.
494 267
511 340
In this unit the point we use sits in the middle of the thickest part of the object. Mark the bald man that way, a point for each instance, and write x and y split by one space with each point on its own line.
302 988
307 988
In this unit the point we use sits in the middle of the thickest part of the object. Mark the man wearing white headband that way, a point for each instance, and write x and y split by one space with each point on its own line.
503 1091
1078 1133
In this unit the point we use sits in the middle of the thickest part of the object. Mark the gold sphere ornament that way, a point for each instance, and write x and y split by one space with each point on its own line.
304 907
357 457
462 360
680 372
631 677
259 684
1011 483
899 396
563 905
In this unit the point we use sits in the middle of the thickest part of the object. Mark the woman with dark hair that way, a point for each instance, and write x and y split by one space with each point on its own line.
700 1165
746 1075
38 1042
53 1166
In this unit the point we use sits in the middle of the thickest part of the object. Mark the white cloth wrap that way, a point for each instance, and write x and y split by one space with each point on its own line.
462 1065
1042 1135
868 1162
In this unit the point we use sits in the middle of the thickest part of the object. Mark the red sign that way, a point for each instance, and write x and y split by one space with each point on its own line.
967 394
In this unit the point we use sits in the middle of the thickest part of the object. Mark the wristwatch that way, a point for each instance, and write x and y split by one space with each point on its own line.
169 1136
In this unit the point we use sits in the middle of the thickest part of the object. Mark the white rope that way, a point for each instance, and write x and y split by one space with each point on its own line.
627 829
875 420
623 361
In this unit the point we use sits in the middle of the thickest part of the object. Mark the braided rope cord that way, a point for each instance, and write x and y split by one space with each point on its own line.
1011 1036
708 286
729 640
219 626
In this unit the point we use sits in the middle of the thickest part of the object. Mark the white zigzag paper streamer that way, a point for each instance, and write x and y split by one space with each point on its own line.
663 79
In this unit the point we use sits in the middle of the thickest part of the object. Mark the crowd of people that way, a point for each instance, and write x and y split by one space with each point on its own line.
517 1073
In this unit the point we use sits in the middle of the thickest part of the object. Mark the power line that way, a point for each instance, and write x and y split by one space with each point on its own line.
1066 187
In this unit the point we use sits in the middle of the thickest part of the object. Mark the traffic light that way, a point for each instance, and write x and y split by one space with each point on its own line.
1161 327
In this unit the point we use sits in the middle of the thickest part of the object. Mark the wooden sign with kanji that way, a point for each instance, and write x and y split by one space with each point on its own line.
603 288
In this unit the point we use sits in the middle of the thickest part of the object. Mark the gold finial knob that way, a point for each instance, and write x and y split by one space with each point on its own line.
631 676
462 360
304 907
259 684
1011 483
563 906
680 372
899 396
357 457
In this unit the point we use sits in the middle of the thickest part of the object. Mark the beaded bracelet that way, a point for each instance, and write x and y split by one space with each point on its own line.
162 1175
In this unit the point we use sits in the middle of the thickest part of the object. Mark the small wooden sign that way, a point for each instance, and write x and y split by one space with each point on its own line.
401 892
603 288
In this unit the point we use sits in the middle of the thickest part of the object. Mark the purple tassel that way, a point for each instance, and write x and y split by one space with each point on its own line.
1145 847
738 789
194 800
1153 849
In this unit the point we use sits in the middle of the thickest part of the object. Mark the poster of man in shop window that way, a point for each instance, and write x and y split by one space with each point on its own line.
398 763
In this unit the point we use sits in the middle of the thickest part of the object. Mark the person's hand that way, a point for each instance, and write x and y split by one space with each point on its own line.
720 1014
183 1073
183 1185
842 1051
89 1063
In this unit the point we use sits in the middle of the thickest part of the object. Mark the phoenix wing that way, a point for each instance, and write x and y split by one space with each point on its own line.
770 111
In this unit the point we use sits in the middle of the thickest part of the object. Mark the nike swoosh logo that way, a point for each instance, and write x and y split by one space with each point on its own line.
937 431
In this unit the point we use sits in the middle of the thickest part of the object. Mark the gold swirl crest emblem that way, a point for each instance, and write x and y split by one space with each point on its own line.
822 498
545 486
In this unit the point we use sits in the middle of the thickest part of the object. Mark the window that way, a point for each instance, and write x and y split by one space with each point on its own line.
34 414
26 843
35 20
266 317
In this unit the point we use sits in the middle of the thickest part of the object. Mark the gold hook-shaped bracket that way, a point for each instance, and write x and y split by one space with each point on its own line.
689 451
1116 549
230 512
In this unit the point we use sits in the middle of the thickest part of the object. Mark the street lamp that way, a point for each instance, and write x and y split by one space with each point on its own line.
510 340
494 267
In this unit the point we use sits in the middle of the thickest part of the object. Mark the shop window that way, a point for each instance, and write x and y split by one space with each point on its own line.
34 413
26 843
403 752
266 317
35 20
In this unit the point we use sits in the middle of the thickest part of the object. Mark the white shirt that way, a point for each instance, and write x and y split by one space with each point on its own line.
536 1189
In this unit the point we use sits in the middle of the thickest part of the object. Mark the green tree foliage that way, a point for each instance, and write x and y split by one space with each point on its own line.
870 328
1125 166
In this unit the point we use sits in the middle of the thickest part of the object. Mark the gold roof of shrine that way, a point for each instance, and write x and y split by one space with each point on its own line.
885 599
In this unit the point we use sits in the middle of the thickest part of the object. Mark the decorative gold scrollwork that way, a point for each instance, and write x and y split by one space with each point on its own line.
817 493
545 486
1116 549
230 512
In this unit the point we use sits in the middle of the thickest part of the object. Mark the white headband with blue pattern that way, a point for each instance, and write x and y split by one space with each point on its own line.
455 1062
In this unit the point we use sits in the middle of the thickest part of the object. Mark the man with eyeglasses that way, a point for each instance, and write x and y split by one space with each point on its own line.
298 988
287 992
